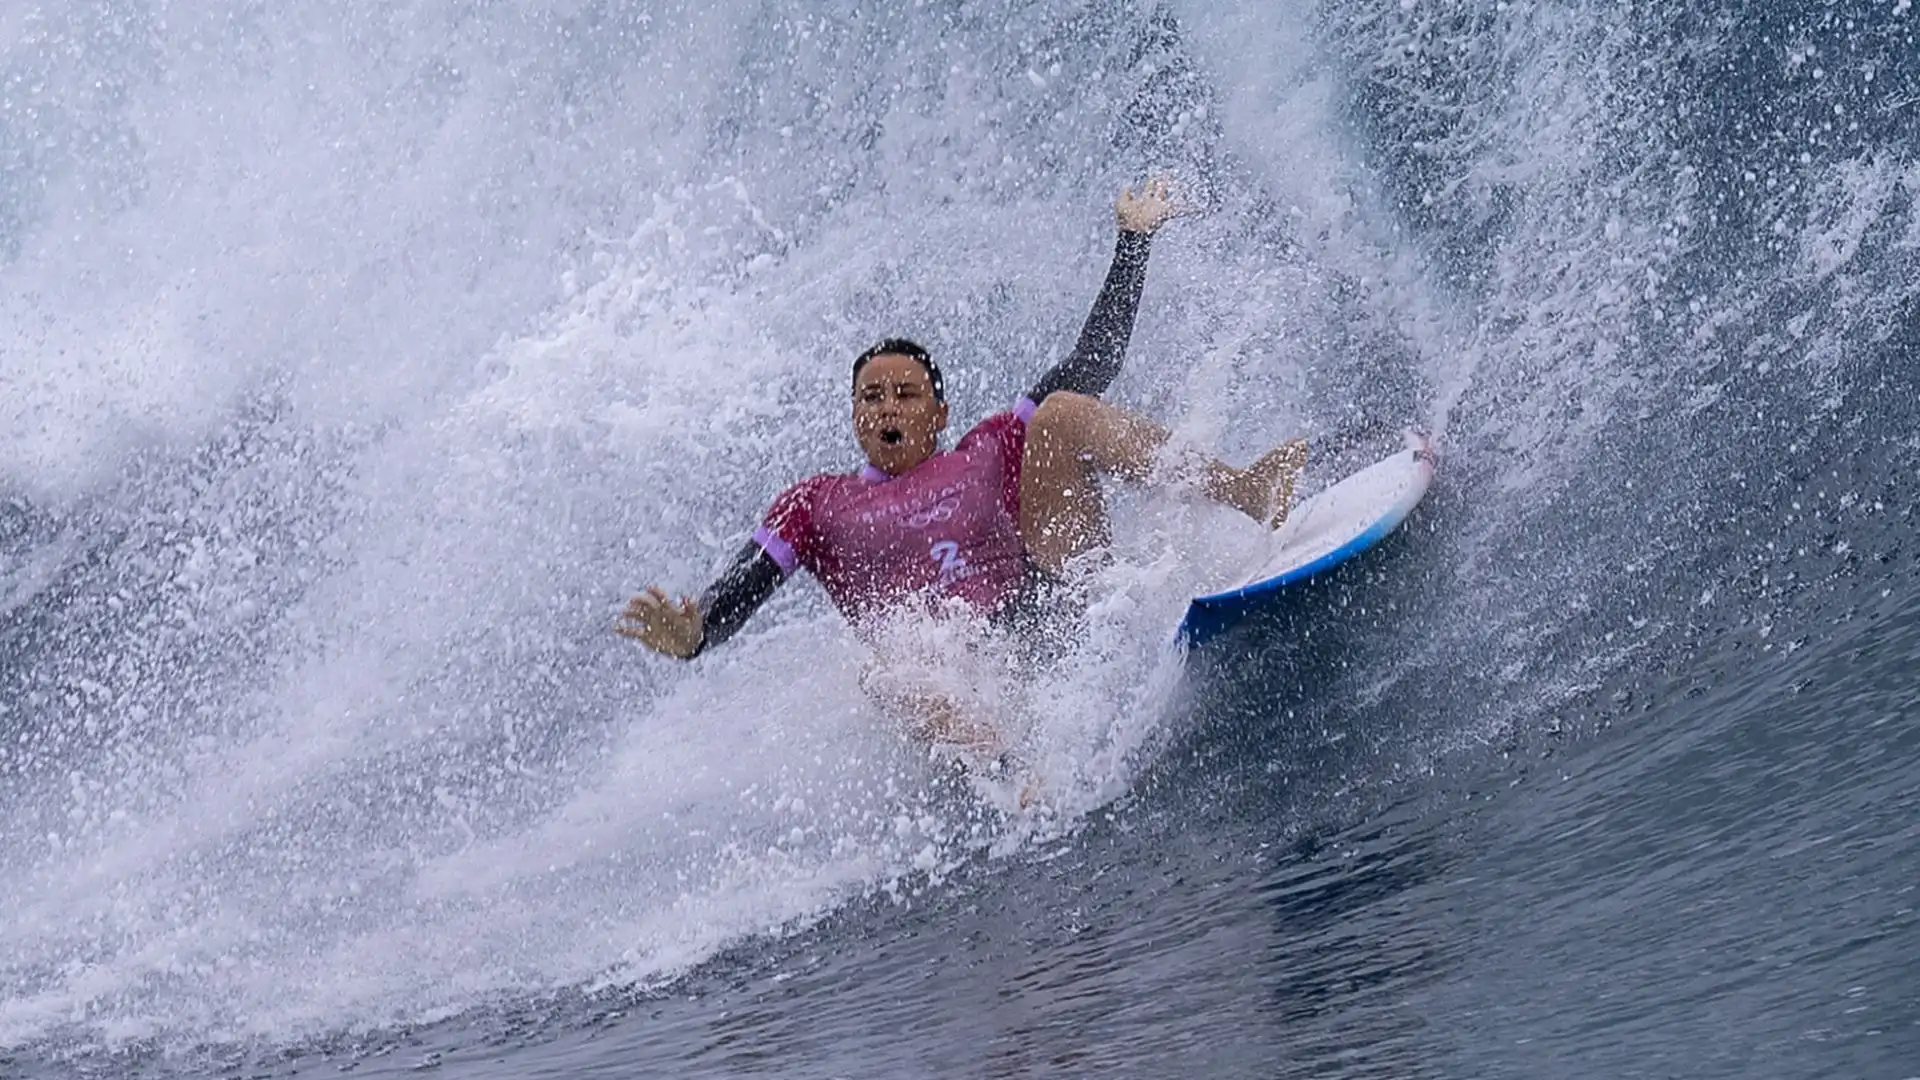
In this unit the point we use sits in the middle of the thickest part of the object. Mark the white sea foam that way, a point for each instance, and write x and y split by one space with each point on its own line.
528 310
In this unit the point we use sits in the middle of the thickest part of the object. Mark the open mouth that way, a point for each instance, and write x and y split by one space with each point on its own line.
891 436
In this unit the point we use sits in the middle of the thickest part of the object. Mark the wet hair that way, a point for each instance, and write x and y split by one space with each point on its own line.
903 347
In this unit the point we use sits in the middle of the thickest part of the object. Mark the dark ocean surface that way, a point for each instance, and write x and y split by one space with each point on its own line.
357 359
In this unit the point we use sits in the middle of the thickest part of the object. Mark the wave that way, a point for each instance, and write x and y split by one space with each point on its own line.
361 358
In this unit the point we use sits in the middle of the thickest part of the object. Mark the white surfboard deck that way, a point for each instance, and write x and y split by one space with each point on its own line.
1320 534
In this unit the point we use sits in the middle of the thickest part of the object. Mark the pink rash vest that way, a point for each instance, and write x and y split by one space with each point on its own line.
947 528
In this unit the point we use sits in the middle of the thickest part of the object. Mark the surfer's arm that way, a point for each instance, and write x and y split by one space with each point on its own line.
685 628
1096 357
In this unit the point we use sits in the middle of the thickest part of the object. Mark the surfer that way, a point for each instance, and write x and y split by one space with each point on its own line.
986 524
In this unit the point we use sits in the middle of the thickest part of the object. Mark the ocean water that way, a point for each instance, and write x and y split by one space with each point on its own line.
358 359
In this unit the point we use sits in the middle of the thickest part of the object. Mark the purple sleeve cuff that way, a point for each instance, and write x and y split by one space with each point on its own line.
1024 409
779 550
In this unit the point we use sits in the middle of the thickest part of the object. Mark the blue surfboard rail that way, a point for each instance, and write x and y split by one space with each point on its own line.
1209 616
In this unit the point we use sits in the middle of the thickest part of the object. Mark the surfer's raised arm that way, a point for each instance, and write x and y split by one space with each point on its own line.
1096 357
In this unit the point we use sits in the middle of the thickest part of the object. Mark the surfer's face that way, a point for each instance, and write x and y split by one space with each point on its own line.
895 415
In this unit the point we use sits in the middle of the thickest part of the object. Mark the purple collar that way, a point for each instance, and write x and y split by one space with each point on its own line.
873 474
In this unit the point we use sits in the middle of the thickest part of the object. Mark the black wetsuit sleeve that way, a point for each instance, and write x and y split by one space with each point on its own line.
1096 357
736 594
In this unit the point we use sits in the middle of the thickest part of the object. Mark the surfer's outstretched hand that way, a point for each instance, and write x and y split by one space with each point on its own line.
1145 209
663 624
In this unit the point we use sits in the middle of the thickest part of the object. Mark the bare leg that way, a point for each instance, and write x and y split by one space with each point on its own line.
1073 439
946 725
940 720
902 684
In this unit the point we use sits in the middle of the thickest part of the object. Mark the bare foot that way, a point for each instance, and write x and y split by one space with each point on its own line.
1264 490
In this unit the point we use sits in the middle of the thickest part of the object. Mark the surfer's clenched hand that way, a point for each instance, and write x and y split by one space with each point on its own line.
660 623
1146 209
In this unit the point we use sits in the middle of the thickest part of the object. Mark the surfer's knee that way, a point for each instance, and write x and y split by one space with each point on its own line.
1063 421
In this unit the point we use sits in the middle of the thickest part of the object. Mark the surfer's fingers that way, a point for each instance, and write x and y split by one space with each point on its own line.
1167 199
653 601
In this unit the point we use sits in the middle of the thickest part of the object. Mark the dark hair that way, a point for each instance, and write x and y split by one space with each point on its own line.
902 347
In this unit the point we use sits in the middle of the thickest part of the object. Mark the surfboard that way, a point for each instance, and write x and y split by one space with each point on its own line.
1319 534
